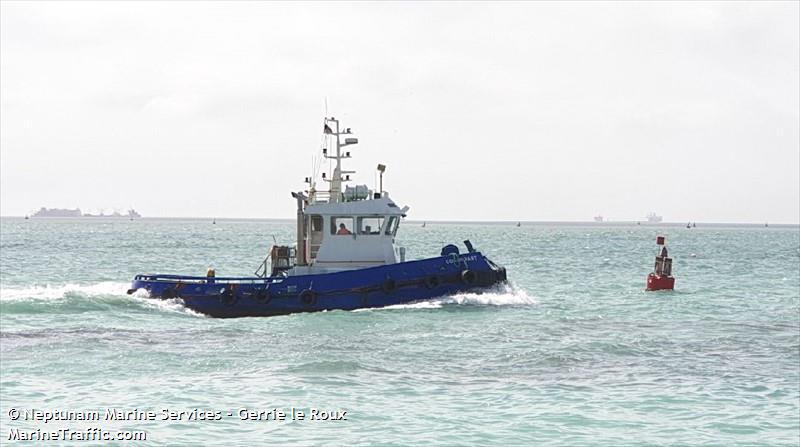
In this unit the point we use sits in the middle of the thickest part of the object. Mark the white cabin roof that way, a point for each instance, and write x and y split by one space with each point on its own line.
382 206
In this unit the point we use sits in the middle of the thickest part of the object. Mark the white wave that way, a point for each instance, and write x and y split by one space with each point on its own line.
57 292
498 296
116 290
501 296
428 304
175 305
141 293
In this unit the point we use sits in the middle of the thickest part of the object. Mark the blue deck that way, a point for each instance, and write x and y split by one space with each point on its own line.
353 289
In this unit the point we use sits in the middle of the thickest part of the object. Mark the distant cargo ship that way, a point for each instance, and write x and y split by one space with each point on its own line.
598 218
654 218
61 212
57 212
131 214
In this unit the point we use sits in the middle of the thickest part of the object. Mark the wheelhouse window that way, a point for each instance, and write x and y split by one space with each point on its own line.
316 224
316 233
370 225
341 226
391 226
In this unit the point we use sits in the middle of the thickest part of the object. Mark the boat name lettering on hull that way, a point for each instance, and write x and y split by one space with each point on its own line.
459 260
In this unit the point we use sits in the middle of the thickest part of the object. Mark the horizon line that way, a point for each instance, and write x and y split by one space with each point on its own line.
418 220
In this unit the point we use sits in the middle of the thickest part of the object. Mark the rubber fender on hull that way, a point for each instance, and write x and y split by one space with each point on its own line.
432 282
501 274
169 292
262 295
389 285
308 297
228 297
468 277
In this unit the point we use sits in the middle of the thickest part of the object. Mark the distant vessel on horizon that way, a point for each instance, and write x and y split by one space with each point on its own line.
131 214
654 218
57 212
63 212
598 218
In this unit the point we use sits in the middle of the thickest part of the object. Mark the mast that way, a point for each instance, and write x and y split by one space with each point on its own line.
339 175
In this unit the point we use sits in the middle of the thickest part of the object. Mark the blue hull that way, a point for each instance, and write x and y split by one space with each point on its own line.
348 290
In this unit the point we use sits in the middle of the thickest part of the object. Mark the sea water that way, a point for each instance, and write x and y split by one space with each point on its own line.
572 352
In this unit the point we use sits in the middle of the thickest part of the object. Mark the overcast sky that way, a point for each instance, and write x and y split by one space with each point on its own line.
518 111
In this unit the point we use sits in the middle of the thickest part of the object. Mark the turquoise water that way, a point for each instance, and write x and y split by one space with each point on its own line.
574 352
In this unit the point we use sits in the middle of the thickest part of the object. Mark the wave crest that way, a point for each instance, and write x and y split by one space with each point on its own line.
71 298
503 295
49 293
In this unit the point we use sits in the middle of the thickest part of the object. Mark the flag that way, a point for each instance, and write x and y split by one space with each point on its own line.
327 130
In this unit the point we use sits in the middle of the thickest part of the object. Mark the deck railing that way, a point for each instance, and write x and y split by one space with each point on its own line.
206 279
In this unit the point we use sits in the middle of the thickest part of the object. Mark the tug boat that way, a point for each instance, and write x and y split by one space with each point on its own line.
344 257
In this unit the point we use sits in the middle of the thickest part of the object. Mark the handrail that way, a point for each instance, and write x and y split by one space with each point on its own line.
203 279
263 266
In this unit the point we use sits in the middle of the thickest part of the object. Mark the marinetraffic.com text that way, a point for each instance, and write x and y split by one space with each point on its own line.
29 424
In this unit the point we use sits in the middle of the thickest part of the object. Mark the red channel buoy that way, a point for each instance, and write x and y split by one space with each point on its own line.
661 276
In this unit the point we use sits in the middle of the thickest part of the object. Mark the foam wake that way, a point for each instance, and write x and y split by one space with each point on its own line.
107 295
71 298
502 295
60 292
